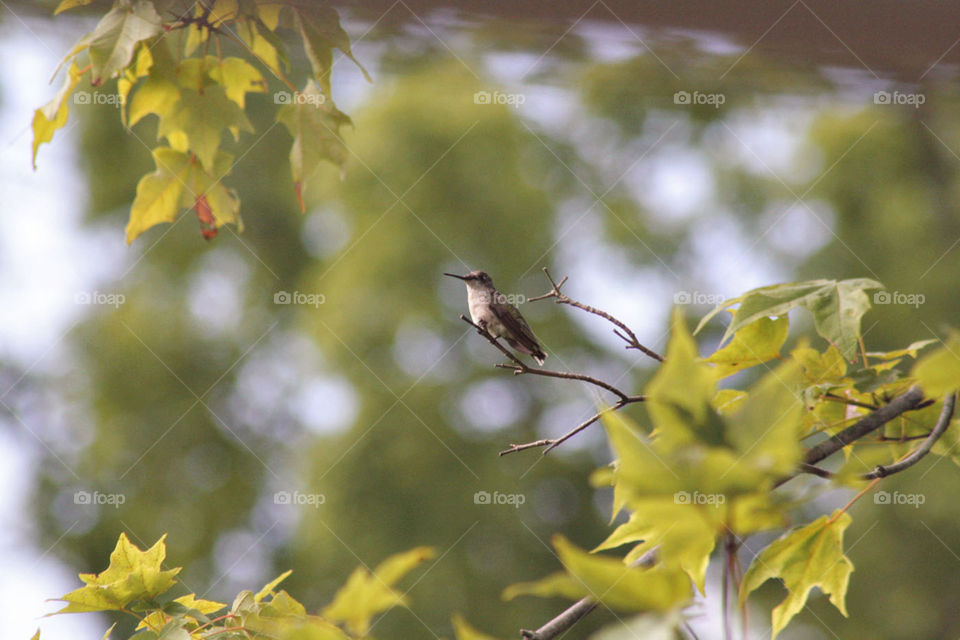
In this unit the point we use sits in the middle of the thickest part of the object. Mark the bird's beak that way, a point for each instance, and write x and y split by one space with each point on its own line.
453 275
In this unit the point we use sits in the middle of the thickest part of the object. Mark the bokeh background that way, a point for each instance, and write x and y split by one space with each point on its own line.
653 153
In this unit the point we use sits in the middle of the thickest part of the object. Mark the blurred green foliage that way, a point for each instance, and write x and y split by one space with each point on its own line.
190 393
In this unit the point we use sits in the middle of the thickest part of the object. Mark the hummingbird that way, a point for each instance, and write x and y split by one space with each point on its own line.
490 310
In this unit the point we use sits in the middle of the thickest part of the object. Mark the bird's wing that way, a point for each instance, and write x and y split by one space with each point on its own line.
517 327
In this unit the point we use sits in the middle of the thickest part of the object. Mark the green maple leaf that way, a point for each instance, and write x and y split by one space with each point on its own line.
938 372
319 26
609 580
314 122
196 122
238 78
179 182
159 193
132 575
463 630
837 307
754 344
366 594
804 558
115 37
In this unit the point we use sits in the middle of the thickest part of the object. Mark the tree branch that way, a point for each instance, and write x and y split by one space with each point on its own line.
946 414
627 336
520 367
910 400
553 443
573 614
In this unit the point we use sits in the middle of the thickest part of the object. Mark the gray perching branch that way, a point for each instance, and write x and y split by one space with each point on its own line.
520 367
627 336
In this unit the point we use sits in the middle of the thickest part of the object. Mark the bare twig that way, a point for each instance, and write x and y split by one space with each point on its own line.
627 334
849 401
553 443
520 367
573 614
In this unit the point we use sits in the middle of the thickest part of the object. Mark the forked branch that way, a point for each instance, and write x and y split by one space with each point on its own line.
622 331
519 367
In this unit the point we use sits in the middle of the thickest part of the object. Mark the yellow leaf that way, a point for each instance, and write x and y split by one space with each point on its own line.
270 14
201 118
754 344
53 115
555 585
765 427
259 45
366 594
939 372
727 401
620 587
66 5
804 558
464 631
828 367
118 32
238 77
268 588
132 575
680 393
157 95
158 193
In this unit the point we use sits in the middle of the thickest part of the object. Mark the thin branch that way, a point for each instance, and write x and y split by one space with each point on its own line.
886 440
946 414
627 336
553 443
849 401
573 614
910 400
815 470
520 367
